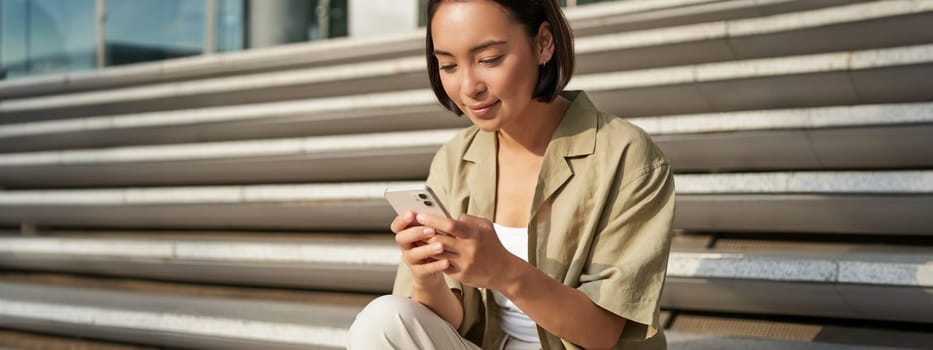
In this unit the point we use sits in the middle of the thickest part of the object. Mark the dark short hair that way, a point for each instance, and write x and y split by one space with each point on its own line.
552 77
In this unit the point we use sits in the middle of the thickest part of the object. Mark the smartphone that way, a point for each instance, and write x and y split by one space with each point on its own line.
419 199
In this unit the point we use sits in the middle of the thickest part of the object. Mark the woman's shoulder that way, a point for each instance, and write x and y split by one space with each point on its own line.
618 136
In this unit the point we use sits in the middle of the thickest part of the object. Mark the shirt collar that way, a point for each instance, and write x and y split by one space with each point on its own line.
574 136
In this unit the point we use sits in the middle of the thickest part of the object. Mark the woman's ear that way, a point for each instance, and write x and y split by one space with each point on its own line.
544 43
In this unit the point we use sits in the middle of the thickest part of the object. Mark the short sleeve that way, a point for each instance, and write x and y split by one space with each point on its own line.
627 266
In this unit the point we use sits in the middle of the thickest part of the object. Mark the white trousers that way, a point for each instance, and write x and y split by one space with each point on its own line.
399 323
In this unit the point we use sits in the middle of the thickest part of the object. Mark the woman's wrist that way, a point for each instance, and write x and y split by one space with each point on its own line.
431 284
437 296
514 277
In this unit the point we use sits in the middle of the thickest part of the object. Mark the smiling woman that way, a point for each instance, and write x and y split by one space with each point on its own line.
563 213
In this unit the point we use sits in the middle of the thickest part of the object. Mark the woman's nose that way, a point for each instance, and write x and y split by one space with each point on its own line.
472 86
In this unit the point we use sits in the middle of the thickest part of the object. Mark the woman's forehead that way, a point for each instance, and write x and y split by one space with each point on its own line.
462 25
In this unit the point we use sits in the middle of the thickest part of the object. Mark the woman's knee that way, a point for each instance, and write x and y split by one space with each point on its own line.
384 314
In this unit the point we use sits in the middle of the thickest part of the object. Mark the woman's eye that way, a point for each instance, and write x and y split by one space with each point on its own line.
492 61
448 67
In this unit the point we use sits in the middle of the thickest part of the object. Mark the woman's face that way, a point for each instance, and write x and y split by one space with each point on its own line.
487 62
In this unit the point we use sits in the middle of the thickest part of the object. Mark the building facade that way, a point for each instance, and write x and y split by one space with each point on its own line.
39 37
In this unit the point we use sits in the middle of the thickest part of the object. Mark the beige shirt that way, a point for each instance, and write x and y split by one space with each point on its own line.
600 219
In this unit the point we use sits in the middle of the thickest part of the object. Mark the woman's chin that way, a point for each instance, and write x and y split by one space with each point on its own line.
486 125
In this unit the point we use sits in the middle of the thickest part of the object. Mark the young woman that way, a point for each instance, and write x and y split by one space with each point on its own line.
563 213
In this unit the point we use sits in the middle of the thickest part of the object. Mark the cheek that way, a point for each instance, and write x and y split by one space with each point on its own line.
515 80
450 87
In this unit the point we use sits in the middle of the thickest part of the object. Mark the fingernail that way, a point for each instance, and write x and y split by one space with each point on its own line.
436 247
428 232
420 217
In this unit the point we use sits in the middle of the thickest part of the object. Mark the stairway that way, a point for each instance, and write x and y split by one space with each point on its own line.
234 201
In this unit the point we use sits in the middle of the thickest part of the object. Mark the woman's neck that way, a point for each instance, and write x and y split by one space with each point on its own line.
532 131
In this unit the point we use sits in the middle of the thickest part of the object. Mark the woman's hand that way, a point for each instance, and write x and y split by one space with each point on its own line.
419 255
422 258
476 255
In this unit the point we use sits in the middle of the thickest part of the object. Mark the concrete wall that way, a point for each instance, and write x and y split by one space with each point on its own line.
369 17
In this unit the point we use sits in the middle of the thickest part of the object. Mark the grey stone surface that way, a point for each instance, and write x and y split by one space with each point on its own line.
905 182
271 110
838 61
235 149
265 80
346 251
795 118
888 273
743 266
828 16
166 319
820 63
909 181
686 341
912 270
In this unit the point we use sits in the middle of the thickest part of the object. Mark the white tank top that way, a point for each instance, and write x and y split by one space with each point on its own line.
514 321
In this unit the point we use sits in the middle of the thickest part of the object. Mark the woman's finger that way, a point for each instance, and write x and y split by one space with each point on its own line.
413 234
418 255
429 268
443 224
402 221
451 244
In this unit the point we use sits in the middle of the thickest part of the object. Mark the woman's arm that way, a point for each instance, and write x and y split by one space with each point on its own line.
428 285
563 311
438 297
477 258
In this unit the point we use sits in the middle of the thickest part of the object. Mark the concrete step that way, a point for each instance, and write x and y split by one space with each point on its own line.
684 329
676 340
846 78
173 320
687 341
357 262
368 113
838 28
594 19
586 20
20 340
837 285
844 137
812 284
841 78
704 330
810 32
891 202
374 156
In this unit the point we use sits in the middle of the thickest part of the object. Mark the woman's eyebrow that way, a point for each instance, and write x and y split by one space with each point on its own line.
474 49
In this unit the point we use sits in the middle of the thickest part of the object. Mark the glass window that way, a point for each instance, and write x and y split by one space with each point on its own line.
140 30
230 28
46 36
422 13
280 22
423 5
335 13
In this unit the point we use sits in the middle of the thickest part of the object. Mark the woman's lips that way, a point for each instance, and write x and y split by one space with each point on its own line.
481 111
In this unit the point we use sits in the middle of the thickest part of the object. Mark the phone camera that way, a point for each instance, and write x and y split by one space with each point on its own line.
428 203
422 196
